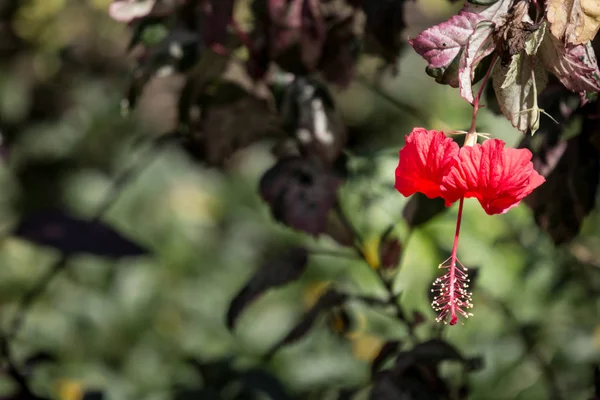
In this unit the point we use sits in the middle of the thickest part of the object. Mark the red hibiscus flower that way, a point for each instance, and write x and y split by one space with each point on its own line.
425 159
496 176
499 177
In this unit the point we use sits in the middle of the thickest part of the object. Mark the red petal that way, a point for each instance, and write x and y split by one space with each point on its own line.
424 161
498 177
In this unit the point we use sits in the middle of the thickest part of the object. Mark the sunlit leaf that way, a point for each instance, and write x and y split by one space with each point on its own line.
128 10
479 45
443 45
573 21
517 86
575 66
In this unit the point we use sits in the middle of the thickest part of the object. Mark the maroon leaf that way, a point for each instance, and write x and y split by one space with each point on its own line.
420 209
390 250
218 16
415 373
260 57
300 193
386 387
571 169
232 119
277 272
385 353
329 300
434 351
297 23
443 44
385 23
479 46
73 235
575 66
340 54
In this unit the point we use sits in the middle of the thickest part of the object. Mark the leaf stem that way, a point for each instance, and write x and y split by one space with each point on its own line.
471 138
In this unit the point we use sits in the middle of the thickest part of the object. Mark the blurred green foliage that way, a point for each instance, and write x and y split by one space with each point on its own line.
125 327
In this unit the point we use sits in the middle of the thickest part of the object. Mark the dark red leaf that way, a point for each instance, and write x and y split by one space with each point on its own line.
420 210
568 195
434 351
340 52
329 300
385 353
385 388
231 120
385 22
277 272
72 235
300 193
390 250
218 16
296 25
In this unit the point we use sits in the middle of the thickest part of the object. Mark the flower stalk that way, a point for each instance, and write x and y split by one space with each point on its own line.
453 298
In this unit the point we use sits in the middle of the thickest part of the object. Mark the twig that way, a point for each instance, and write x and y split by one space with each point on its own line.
11 369
387 285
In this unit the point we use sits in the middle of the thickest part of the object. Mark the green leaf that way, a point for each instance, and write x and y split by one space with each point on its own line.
154 34
447 75
534 40
511 73
517 86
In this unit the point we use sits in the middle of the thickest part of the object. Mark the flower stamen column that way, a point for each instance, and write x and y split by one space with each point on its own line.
453 298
